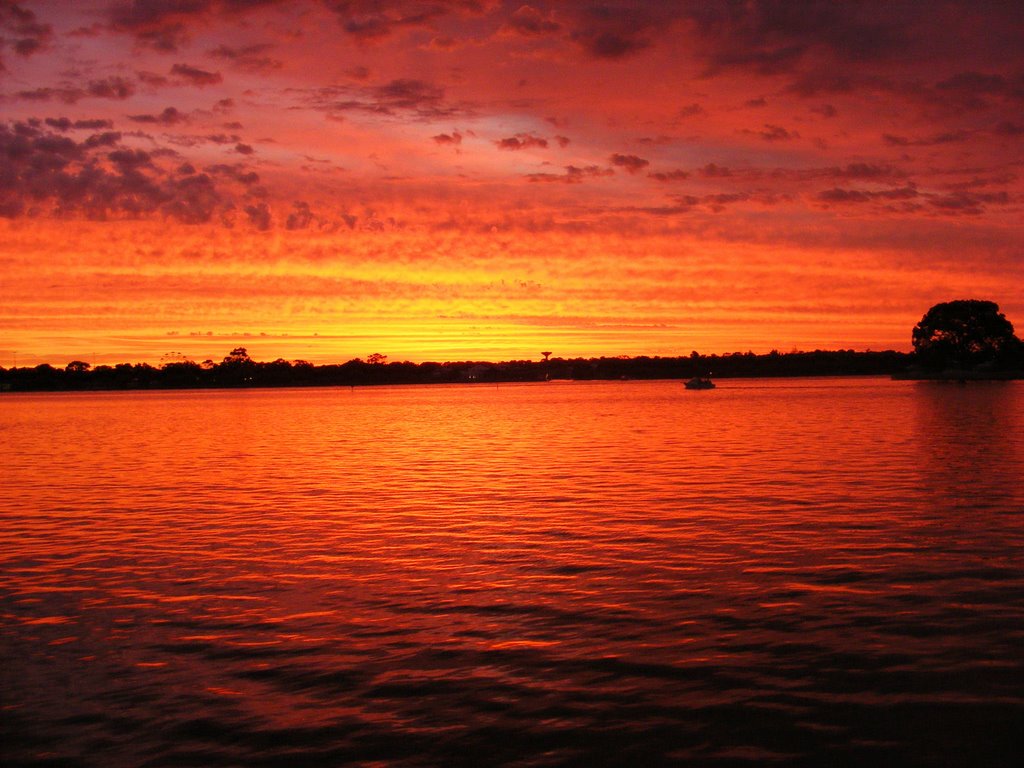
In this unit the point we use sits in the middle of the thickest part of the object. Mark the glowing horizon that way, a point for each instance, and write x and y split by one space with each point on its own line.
461 180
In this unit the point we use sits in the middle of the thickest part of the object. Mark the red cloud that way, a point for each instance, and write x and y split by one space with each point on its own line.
631 163
196 76
522 141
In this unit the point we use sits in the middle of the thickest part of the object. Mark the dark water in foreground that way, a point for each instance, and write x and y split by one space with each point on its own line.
811 572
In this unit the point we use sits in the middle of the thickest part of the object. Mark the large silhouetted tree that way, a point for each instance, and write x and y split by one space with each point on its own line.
964 334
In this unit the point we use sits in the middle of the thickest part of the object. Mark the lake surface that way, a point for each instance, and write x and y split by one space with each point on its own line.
803 572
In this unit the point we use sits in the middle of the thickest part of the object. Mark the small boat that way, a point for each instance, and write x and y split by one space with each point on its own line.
699 383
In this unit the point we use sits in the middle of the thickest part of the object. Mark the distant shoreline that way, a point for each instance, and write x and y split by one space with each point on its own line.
239 371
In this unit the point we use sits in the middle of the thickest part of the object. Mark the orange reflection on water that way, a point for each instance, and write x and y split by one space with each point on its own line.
386 574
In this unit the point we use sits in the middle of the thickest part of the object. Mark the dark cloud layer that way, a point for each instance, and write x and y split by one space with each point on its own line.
117 88
403 96
631 163
772 36
21 31
169 116
167 25
674 175
614 31
66 124
47 172
195 75
573 174
522 141
820 46
837 195
775 133
945 137
249 58
531 22
818 50
454 138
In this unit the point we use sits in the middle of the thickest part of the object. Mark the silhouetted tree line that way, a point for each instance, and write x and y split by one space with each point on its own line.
238 369
966 338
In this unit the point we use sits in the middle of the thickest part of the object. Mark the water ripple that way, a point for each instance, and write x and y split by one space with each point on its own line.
804 572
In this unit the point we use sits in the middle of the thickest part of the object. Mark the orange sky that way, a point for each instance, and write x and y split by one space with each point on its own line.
462 179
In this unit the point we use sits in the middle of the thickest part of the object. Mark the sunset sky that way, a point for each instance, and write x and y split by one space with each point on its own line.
476 179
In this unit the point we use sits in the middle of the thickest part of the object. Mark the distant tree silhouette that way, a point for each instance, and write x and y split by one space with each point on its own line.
964 334
238 355
237 368
181 373
546 356
240 370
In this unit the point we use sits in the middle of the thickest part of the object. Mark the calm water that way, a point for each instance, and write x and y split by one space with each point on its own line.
815 572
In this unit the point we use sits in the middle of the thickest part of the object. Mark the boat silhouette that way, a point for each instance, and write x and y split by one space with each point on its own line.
699 382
